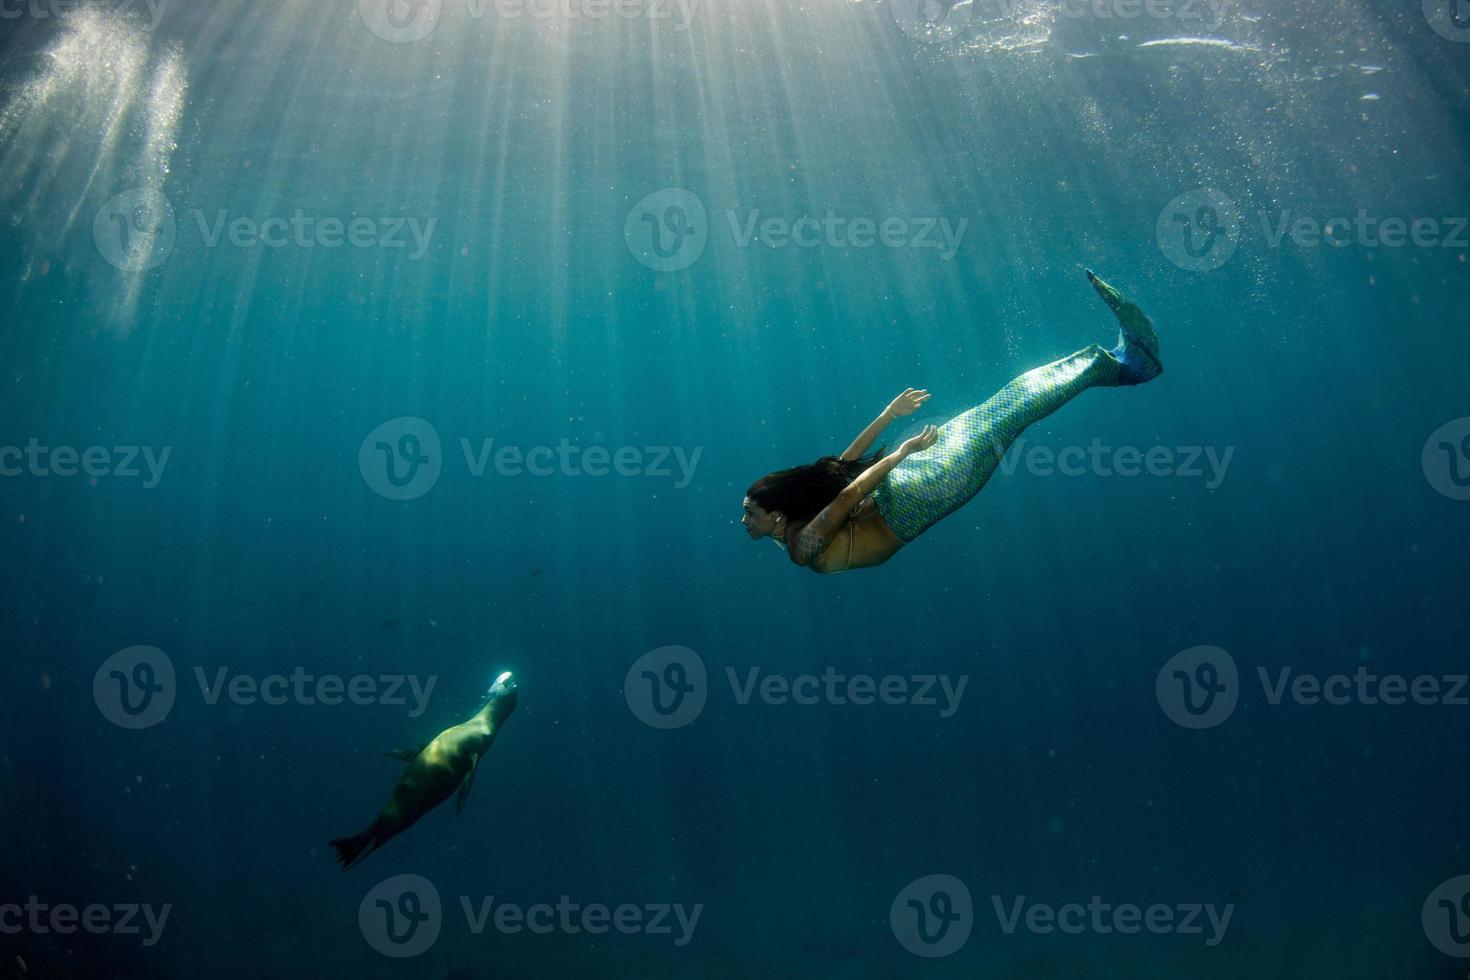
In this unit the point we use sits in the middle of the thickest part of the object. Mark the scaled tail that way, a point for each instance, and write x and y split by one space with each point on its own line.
1138 344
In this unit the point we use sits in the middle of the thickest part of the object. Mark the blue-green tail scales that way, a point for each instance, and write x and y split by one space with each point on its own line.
929 486
1138 345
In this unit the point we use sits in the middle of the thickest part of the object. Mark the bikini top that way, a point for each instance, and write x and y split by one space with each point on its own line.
852 531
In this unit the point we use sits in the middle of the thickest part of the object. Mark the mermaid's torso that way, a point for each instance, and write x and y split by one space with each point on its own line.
864 541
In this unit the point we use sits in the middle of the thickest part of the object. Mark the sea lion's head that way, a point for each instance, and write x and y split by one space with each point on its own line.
501 698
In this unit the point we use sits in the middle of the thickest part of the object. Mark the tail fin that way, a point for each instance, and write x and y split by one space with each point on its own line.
351 850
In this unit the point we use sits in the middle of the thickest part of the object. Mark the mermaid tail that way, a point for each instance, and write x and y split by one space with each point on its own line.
928 486
1138 344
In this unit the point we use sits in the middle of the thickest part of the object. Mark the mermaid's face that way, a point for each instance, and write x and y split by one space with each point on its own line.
758 523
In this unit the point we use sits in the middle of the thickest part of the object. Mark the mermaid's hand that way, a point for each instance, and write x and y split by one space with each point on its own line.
907 403
920 442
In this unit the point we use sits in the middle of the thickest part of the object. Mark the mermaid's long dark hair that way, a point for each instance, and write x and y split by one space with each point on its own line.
802 491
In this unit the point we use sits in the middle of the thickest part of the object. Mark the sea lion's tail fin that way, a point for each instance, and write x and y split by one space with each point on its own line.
351 850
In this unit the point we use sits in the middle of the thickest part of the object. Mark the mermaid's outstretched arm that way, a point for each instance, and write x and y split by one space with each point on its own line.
905 404
867 437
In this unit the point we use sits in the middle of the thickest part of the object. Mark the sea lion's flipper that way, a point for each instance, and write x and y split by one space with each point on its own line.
406 755
464 788
351 850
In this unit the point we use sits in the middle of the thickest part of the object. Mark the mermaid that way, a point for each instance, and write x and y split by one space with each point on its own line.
857 511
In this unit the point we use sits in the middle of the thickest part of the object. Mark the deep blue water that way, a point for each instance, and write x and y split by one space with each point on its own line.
1327 537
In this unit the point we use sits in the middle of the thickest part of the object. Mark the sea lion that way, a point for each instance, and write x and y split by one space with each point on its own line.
435 771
